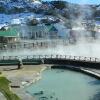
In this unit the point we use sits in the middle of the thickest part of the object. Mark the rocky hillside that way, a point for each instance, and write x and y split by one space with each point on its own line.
66 9
71 14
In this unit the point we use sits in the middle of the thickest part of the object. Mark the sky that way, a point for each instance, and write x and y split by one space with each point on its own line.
85 1
81 1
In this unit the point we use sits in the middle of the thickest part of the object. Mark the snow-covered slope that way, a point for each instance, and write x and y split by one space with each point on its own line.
18 5
22 17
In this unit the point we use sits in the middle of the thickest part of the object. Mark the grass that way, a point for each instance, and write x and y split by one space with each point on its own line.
5 89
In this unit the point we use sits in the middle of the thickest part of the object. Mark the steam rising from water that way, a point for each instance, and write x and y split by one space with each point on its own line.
79 49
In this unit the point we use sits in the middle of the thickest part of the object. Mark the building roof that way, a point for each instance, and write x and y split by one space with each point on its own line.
51 28
11 32
41 28
54 29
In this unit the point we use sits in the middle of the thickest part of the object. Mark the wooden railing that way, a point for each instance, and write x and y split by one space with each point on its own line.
33 44
22 45
65 57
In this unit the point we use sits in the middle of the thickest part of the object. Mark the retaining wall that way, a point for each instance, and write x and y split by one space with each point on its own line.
77 63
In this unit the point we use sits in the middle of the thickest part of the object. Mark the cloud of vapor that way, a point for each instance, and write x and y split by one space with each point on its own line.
80 49
82 21
85 44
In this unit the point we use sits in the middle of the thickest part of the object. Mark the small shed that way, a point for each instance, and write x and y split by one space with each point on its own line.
8 35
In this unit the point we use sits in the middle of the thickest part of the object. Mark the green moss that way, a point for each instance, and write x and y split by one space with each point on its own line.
5 89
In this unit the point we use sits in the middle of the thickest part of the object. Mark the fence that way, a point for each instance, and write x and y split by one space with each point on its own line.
65 57
22 45
32 44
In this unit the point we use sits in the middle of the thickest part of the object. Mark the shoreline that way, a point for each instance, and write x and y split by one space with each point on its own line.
30 74
87 71
36 78
20 79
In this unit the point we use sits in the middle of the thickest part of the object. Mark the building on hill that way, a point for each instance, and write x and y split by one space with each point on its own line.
52 32
38 32
8 35
63 31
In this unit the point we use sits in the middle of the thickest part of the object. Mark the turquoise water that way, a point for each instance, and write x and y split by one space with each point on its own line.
57 84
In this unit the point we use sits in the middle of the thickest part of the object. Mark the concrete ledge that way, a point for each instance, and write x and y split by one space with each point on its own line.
91 73
78 69
77 63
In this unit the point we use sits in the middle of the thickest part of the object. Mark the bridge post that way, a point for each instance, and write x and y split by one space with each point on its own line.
79 58
3 57
95 59
15 46
57 56
85 58
33 56
60 56
90 59
70 57
24 45
45 56
37 43
51 56
27 57
74 57
65 56
11 46
9 57
41 44
15 57
33 44
39 56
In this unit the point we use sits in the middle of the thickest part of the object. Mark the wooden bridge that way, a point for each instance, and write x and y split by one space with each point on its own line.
79 61
60 57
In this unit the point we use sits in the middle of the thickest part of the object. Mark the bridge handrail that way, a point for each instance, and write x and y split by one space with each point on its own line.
67 57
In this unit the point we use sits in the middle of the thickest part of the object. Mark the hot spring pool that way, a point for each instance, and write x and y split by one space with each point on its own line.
58 84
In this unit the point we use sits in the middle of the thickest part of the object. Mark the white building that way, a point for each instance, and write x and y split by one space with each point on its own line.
62 30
